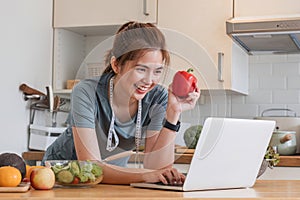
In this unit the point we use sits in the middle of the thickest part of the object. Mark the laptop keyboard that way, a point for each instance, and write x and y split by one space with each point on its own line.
178 185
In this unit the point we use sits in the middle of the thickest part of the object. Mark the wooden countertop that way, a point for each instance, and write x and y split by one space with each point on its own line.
262 189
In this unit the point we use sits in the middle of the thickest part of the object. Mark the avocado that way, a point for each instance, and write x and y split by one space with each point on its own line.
14 160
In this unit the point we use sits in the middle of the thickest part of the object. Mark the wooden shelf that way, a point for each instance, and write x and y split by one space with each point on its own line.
38 156
289 161
285 161
33 155
181 157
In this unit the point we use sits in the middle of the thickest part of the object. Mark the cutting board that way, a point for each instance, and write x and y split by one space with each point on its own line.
184 150
22 187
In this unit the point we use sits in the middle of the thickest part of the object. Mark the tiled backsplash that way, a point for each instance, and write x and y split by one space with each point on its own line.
274 82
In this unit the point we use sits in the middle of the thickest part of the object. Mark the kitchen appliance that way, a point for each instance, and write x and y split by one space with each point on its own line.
286 120
268 35
42 136
44 132
284 142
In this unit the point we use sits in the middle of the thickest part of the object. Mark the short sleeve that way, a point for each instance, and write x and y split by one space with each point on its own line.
157 110
83 104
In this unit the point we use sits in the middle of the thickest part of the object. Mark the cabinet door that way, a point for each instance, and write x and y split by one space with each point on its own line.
203 21
73 13
246 8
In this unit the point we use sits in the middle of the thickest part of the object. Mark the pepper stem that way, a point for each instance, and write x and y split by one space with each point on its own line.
190 70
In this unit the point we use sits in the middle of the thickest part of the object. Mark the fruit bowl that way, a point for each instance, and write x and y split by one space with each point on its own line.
76 173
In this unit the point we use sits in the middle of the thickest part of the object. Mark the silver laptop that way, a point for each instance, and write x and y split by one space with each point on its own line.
228 155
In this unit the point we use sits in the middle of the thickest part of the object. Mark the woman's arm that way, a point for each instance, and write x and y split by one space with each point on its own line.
86 145
119 175
159 148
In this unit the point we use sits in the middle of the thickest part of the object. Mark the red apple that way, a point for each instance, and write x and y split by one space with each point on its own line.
42 179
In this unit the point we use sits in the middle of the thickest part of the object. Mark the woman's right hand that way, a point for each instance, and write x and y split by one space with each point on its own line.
183 104
166 176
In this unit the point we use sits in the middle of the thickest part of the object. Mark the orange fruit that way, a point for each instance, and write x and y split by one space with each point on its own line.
10 176
29 169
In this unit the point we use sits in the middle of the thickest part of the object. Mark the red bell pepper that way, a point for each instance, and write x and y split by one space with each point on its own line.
183 83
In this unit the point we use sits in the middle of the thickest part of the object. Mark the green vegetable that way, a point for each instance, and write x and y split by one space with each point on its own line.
191 136
83 177
96 170
85 171
272 157
64 176
58 167
86 166
75 169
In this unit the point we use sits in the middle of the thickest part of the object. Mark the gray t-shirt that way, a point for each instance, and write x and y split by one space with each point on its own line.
91 109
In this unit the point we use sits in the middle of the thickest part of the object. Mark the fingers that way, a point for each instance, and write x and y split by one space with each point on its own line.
183 104
173 177
163 179
190 101
193 96
182 178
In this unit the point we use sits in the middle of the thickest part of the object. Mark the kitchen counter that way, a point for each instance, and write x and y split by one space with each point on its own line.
262 190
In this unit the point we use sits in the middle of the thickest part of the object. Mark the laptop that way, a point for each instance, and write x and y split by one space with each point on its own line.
228 155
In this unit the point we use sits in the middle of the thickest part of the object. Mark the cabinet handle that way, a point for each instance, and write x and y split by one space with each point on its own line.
145 8
220 66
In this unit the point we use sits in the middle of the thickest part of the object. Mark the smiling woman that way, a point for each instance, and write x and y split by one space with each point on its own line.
124 108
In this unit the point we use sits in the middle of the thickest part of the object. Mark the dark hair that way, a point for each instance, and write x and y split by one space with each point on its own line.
134 39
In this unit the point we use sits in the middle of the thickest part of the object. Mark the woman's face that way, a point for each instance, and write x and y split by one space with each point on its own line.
136 78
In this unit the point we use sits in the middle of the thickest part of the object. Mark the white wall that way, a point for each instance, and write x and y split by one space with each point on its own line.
274 82
26 57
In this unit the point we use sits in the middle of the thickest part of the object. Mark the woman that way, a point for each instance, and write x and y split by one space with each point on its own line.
115 113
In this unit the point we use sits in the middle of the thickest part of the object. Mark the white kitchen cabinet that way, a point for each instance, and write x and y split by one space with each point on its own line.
77 56
266 8
199 24
83 31
81 13
198 29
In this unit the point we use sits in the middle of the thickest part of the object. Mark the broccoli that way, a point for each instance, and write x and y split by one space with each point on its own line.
83 177
97 170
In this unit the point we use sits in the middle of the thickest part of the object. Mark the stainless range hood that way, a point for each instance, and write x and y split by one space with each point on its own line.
266 36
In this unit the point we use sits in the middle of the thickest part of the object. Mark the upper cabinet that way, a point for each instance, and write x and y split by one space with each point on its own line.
195 31
196 35
267 8
80 13
83 31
